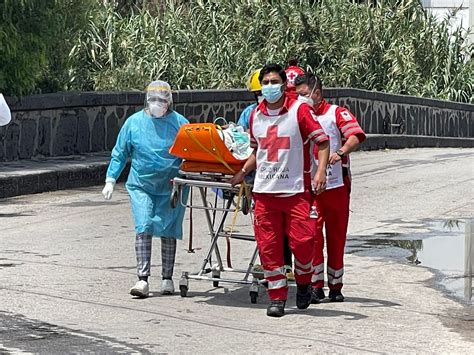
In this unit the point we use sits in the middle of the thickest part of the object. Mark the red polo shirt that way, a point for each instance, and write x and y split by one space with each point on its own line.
346 122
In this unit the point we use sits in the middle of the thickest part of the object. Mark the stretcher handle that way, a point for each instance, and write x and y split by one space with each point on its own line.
211 184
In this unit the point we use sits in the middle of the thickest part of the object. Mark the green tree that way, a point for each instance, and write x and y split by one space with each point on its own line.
35 40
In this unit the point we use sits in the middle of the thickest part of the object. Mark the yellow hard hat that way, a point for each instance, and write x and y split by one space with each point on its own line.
253 84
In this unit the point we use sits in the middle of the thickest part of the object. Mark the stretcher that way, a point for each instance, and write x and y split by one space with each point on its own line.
207 165
203 150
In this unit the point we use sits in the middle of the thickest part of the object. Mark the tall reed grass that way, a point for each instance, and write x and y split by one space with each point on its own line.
394 46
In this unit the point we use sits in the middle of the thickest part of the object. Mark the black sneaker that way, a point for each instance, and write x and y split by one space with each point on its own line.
276 308
303 296
317 295
336 296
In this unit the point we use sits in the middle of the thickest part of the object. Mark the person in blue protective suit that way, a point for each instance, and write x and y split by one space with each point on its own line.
253 85
146 138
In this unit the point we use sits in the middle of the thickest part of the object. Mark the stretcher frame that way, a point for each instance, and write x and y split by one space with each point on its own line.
209 271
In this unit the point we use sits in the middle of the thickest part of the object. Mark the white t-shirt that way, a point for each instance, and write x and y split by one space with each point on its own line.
273 112
5 115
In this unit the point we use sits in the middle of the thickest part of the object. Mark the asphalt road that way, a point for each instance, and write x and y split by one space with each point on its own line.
67 262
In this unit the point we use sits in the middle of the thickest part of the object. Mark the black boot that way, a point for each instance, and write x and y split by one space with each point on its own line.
303 296
317 295
336 296
276 308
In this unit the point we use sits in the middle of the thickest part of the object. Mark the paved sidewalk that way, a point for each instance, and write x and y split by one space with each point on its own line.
67 262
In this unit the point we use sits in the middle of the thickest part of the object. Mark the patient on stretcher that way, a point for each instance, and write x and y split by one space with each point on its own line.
237 141
206 147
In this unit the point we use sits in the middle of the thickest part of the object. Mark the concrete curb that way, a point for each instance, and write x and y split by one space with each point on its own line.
52 181
34 176
45 181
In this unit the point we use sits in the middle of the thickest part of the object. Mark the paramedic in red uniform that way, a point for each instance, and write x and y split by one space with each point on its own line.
281 130
292 72
345 135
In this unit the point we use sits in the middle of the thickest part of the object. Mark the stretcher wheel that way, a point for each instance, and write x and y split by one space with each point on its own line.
183 290
216 274
245 205
174 198
253 297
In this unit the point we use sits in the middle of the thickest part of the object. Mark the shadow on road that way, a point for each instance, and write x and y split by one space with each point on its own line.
239 297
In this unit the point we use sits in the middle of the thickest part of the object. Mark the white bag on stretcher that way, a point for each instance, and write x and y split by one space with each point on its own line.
237 141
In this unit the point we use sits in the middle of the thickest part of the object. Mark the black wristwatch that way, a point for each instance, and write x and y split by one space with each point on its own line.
340 153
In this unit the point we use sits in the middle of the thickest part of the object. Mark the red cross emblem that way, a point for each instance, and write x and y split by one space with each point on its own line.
273 143
291 75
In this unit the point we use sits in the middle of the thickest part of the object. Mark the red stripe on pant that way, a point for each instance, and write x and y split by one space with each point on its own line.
275 217
333 210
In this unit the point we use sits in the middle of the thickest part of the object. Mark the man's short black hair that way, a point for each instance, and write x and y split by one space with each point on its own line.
273 67
292 62
309 79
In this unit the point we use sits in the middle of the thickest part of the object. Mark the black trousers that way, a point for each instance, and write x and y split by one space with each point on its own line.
288 254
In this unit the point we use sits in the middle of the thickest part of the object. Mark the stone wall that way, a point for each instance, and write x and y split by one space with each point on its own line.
380 113
76 123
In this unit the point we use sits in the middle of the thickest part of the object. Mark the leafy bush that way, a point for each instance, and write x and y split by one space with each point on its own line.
35 41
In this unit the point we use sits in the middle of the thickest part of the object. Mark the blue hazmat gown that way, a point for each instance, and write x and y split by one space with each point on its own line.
245 116
147 140
244 121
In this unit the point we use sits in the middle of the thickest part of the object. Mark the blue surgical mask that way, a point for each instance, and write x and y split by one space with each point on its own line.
272 92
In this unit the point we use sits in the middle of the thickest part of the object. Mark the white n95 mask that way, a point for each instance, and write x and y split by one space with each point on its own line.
158 109
306 99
